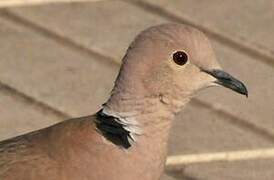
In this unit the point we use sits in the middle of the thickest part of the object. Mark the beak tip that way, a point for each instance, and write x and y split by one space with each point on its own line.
246 94
243 90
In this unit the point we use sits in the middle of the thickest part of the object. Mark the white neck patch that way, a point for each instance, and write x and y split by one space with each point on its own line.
127 120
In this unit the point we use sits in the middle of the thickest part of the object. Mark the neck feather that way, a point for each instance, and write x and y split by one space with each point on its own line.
139 117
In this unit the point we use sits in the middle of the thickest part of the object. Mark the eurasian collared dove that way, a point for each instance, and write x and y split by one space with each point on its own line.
127 139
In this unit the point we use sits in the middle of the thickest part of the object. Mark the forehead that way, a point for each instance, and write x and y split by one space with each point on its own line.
168 38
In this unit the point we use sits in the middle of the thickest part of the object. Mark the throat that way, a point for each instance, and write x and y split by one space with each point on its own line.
126 122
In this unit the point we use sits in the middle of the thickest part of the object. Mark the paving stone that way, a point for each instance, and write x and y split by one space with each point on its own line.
87 24
106 26
200 130
247 23
18 117
51 73
240 170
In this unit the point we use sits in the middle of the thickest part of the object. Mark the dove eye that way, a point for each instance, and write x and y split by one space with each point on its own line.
180 58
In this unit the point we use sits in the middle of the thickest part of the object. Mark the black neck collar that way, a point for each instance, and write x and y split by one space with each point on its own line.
111 128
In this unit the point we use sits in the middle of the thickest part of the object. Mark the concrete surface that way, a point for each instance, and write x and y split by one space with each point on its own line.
60 60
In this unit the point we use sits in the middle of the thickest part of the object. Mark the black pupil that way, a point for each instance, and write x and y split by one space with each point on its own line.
180 58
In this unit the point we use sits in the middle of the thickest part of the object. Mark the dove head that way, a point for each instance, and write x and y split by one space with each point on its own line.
172 62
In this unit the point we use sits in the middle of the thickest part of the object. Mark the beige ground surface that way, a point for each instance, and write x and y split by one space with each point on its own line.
60 60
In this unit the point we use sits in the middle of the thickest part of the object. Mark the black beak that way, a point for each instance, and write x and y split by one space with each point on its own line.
228 81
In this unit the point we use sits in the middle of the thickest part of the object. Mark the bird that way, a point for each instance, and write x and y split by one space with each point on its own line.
163 68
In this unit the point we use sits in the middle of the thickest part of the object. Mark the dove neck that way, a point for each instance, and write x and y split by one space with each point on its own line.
153 114
153 117
139 111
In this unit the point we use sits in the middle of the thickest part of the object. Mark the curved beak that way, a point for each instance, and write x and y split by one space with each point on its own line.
228 81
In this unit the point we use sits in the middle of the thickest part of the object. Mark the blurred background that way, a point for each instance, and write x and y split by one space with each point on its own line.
59 60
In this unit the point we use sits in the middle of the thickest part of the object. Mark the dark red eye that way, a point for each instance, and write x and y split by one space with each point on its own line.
180 58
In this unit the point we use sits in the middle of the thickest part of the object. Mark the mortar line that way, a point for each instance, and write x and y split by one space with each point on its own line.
175 161
257 55
63 40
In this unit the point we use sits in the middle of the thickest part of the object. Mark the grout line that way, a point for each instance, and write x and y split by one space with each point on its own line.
40 106
63 40
173 162
265 56
14 3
